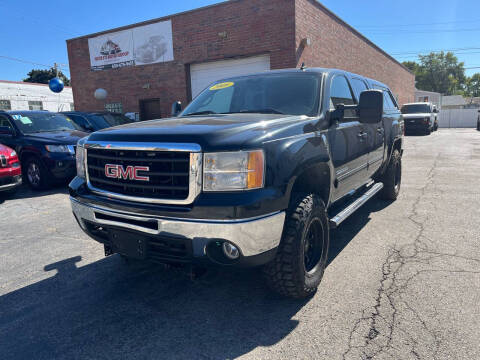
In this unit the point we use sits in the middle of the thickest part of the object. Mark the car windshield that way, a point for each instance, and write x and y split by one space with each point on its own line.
292 94
415 109
29 123
103 121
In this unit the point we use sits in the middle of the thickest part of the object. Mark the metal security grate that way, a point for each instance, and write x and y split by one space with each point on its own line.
168 172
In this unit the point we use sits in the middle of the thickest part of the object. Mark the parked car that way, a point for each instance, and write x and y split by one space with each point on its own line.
94 121
45 143
255 171
419 117
10 170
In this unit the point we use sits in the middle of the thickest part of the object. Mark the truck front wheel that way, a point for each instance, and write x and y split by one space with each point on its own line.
302 254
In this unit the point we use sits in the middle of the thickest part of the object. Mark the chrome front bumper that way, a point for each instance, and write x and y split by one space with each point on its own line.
252 236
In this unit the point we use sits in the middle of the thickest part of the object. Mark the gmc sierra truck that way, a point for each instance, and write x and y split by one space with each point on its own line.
255 171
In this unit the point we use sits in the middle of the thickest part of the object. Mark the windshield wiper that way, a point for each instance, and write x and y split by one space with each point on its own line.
206 112
257 111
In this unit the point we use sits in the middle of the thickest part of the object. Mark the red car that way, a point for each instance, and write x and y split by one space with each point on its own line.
10 170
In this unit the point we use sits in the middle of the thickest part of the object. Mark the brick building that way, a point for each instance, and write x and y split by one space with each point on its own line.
184 52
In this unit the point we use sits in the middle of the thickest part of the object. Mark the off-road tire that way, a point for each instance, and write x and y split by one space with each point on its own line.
392 178
43 174
286 273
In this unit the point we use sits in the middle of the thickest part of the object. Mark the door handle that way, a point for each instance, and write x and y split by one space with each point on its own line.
362 135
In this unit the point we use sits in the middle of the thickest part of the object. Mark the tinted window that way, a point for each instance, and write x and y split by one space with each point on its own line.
358 86
340 92
415 109
38 122
289 93
102 121
387 101
79 120
5 122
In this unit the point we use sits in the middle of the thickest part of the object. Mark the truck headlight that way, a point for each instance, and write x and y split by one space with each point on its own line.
233 171
80 158
60 148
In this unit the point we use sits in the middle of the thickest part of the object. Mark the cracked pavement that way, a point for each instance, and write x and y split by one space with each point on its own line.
403 282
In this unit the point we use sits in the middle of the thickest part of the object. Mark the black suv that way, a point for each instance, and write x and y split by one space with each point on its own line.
94 121
45 143
255 171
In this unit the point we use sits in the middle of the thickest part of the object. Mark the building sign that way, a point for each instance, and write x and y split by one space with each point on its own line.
142 45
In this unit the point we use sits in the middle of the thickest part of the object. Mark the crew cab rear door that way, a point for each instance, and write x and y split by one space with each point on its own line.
347 139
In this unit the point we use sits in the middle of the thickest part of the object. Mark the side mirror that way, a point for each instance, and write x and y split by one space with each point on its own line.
6 131
176 108
370 107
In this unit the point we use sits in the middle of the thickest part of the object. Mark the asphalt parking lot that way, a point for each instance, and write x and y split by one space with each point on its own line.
403 282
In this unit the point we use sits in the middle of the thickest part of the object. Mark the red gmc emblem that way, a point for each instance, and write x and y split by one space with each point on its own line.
128 173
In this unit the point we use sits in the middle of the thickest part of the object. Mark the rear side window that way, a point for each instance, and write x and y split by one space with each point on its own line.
340 92
388 102
358 86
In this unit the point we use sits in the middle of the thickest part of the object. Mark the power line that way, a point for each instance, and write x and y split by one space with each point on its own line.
396 32
31 62
435 51
417 24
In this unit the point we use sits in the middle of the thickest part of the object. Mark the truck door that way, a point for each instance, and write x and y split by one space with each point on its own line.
375 139
347 139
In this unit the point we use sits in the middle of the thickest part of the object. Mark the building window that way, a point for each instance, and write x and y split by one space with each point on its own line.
5 105
114 107
35 105
72 107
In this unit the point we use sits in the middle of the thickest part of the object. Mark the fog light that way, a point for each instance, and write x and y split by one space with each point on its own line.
230 251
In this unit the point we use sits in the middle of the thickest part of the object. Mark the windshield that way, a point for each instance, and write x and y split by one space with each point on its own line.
103 121
415 109
29 123
292 94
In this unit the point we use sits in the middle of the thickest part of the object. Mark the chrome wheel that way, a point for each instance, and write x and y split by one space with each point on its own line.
33 174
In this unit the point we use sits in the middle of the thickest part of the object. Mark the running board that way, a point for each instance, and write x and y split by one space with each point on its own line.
354 206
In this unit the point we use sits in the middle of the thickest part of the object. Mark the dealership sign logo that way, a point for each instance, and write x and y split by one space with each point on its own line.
130 172
110 51
141 45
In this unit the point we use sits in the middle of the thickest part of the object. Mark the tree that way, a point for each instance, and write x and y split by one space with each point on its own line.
43 76
440 72
472 87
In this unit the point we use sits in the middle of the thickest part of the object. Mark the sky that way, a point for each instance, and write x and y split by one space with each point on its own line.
35 31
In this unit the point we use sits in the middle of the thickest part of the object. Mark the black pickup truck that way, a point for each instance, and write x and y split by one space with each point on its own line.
255 171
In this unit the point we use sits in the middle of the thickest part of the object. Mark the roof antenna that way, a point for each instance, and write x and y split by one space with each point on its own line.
303 67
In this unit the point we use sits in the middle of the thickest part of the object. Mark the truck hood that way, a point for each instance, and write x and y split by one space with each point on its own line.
57 137
219 131
416 116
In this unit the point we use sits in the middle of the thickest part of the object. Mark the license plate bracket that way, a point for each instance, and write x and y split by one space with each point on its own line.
127 243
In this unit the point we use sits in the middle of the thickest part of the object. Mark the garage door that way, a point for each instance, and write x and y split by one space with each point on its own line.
201 75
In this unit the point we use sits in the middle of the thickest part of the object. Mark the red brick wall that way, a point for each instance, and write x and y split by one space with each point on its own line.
253 27
336 46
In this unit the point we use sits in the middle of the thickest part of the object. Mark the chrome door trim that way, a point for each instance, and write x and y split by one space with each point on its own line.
195 171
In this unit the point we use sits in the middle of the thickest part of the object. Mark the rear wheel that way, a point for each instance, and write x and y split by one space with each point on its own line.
302 254
35 174
392 178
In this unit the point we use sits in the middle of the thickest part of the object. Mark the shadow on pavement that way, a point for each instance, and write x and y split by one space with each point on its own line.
341 237
110 309
25 192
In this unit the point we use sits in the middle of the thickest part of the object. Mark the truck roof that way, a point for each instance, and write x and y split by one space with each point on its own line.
314 70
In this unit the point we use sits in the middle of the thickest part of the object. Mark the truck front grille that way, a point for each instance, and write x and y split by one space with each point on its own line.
167 176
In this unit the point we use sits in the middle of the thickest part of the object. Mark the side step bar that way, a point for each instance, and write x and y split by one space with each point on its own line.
350 209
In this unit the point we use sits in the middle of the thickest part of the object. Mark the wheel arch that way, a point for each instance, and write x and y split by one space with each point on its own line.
315 179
